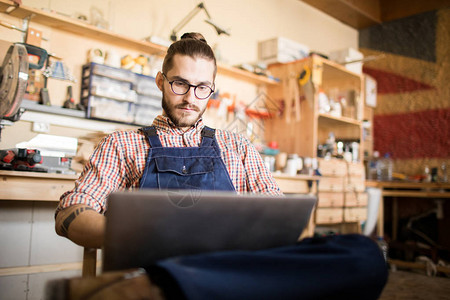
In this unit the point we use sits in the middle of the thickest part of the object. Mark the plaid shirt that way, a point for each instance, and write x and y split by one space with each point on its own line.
118 163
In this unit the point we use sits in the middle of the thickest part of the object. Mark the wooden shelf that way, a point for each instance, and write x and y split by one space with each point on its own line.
61 22
415 194
333 69
339 120
408 185
296 177
298 184
244 75
412 189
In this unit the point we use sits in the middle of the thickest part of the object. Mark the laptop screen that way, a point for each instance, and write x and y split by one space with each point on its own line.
147 225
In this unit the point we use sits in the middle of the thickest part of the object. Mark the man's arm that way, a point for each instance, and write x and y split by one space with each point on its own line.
81 224
79 213
259 178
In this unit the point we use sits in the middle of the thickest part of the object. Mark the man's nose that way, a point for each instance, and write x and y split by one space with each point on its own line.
190 95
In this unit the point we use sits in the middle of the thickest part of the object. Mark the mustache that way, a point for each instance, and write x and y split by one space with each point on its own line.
182 106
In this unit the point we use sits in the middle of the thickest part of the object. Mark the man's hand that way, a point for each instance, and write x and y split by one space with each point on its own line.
82 225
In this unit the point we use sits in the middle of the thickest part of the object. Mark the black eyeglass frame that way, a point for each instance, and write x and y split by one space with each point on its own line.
190 85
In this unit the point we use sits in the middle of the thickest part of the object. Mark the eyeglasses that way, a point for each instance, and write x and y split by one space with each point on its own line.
180 87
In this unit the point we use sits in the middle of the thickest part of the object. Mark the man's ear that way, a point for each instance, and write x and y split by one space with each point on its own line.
159 81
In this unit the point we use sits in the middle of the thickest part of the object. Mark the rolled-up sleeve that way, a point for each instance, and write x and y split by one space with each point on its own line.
259 178
102 175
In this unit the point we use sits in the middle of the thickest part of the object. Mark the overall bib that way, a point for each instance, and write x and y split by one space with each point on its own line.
196 168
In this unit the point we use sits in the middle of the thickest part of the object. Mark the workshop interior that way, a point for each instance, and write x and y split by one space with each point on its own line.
345 101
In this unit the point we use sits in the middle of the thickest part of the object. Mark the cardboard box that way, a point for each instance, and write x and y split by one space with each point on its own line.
331 184
355 214
348 55
330 199
329 215
332 167
281 50
356 199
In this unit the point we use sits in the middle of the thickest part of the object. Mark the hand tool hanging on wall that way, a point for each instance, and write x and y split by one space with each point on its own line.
291 95
296 95
70 102
287 99
44 95
304 80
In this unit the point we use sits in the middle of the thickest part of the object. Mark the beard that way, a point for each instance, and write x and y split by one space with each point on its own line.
182 119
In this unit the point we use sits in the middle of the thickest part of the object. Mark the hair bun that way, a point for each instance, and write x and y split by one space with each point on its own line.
195 36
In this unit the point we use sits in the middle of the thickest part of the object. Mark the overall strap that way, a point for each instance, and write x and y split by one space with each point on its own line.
152 136
208 135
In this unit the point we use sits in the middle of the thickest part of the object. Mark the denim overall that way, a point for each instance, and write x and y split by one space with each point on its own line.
197 168
336 267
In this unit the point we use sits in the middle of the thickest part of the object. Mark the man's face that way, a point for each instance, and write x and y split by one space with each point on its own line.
185 110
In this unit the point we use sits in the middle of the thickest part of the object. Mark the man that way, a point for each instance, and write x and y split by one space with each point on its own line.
125 160
343 266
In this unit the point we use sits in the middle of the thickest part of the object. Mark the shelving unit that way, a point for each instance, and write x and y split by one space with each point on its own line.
65 23
341 197
314 126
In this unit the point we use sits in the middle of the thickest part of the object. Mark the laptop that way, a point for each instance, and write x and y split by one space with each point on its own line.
148 225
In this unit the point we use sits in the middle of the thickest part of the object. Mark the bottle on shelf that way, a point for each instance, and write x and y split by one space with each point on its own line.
355 151
444 177
324 102
426 174
331 145
373 165
385 167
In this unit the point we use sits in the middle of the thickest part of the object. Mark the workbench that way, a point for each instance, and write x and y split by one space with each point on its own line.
34 186
391 190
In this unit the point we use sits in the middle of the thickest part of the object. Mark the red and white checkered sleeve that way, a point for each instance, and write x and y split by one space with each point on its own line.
103 174
259 178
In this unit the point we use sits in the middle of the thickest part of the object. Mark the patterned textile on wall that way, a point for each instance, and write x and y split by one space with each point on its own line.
412 117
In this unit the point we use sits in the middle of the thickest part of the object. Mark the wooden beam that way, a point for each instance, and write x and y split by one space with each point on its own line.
355 13
397 9
361 14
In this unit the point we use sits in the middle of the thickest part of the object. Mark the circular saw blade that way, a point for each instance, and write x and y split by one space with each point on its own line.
13 80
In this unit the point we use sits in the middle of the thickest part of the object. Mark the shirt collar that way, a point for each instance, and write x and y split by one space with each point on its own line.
164 124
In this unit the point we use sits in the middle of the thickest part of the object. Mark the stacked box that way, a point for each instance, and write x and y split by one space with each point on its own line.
119 95
281 50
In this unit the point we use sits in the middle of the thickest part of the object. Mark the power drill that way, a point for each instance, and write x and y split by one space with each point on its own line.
19 158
